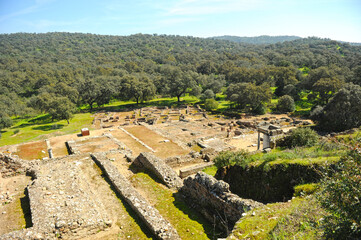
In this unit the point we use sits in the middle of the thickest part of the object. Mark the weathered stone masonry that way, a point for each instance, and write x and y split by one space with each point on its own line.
214 201
160 169
160 227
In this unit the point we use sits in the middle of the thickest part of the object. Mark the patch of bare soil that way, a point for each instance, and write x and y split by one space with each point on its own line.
14 206
130 142
164 147
33 150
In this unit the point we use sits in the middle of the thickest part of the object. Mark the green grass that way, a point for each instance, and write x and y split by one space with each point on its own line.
297 219
41 127
212 170
188 223
305 189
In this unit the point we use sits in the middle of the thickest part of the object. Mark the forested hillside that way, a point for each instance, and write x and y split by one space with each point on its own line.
56 72
258 40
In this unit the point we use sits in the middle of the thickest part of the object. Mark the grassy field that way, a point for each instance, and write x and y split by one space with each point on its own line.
297 219
41 127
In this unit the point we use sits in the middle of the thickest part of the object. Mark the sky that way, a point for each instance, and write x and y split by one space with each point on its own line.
334 19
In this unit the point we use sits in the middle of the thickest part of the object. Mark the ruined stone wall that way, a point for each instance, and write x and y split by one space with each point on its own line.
214 201
10 166
194 169
158 167
160 227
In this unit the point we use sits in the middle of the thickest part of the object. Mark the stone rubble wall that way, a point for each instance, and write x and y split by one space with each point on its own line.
192 157
183 173
160 227
158 167
62 204
214 201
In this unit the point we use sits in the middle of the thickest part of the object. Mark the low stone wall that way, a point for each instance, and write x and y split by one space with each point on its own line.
160 169
62 204
192 157
193 170
214 201
160 227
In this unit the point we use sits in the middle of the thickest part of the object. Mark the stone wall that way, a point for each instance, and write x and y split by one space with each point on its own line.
158 167
10 166
62 204
160 227
194 169
214 201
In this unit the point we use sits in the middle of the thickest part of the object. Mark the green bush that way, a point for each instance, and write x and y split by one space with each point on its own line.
286 104
16 131
241 158
340 195
300 137
210 104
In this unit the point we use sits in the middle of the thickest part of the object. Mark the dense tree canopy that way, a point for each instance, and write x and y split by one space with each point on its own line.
92 69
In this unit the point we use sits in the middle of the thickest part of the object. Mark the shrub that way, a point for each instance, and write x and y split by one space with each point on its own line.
343 111
16 131
210 104
208 94
259 110
241 158
340 195
300 137
286 104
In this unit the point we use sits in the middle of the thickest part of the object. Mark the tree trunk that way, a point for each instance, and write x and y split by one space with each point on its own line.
68 121
178 98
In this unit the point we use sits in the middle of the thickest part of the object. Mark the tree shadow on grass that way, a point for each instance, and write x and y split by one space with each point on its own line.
49 127
210 229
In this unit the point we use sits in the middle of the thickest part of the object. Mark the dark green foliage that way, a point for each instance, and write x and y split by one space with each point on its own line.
343 111
258 40
61 108
300 137
208 94
210 104
139 87
286 104
326 88
248 96
5 121
341 196
87 68
240 158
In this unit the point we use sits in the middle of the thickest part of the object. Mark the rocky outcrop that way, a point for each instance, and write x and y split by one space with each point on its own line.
214 201
160 227
158 167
